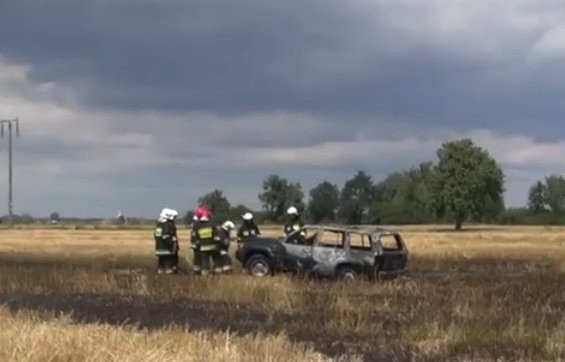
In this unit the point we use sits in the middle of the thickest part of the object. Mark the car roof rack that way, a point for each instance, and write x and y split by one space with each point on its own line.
350 228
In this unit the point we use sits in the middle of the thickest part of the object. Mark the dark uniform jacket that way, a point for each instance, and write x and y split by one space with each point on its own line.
206 236
248 230
193 239
224 236
292 227
165 235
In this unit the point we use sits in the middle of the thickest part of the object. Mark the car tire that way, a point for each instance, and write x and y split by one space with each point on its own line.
347 274
258 266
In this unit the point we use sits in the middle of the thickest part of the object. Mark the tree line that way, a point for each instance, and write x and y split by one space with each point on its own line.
464 185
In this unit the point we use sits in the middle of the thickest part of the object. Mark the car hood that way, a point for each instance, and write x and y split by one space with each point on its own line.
264 242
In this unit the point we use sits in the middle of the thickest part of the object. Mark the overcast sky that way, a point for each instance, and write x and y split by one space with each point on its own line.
138 104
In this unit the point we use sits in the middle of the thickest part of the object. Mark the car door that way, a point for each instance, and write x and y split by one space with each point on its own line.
361 250
299 252
328 252
393 256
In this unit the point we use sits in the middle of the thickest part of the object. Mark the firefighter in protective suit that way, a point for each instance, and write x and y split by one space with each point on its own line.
294 224
225 239
196 267
166 242
207 241
248 228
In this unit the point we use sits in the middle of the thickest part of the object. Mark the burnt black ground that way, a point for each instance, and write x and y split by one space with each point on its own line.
149 313
515 279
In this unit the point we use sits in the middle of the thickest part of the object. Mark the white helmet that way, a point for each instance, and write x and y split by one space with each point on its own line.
173 214
292 211
168 214
247 216
228 225
163 216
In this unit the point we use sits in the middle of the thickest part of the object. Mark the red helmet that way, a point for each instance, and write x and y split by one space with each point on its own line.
206 215
202 213
198 212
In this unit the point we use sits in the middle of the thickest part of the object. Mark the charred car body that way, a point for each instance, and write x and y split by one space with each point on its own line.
327 251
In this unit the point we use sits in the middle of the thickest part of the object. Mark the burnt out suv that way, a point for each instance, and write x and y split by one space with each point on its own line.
327 251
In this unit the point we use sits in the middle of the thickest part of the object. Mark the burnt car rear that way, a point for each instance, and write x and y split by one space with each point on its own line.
391 253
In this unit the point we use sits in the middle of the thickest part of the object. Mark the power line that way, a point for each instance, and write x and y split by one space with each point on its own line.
10 123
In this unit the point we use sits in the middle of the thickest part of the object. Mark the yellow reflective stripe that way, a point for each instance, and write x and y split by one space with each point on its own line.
296 227
206 233
207 247
158 232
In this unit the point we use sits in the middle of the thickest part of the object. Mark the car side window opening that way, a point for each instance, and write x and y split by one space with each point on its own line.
359 241
310 237
390 242
304 236
333 239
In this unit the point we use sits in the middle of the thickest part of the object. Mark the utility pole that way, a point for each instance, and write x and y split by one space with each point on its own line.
10 123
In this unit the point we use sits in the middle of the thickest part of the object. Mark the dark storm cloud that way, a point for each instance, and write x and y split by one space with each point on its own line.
169 55
326 59
129 103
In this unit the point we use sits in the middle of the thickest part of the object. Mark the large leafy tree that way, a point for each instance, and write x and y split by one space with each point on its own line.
536 201
356 199
324 200
466 181
554 193
404 197
279 194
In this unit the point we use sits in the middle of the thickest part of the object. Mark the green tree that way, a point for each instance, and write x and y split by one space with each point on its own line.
324 200
465 181
404 197
356 199
554 193
217 202
279 194
536 201
493 209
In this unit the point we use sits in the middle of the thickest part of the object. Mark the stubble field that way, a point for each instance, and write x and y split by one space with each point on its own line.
92 295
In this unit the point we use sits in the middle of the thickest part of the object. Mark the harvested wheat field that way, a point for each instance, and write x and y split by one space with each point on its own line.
92 295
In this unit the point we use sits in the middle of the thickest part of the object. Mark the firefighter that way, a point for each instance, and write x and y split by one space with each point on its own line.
166 242
294 224
225 239
196 263
248 228
207 241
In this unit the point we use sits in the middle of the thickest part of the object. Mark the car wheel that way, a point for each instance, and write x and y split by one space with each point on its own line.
347 274
258 266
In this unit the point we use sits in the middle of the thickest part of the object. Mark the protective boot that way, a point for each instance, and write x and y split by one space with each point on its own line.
205 262
160 265
197 261
225 261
